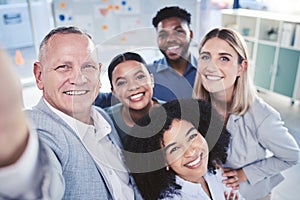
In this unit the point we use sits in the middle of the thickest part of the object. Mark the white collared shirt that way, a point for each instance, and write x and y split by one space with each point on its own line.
194 191
106 154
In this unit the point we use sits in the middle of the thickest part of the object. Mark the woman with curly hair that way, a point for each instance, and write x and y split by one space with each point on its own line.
169 157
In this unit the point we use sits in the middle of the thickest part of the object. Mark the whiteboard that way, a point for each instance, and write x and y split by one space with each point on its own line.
127 22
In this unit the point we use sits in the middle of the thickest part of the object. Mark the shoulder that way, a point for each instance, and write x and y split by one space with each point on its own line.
113 109
158 66
260 110
158 100
105 113
103 99
158 61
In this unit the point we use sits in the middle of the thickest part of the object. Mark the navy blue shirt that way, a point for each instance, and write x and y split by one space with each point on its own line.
168 84
105 99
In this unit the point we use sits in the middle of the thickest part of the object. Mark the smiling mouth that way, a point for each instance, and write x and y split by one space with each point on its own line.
136 96
173 47
76 93
195 162
213 78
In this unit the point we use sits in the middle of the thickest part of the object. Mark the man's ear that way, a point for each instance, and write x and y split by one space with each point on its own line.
191 34
37 71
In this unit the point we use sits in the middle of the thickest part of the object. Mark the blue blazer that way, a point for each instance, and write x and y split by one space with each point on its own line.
82 178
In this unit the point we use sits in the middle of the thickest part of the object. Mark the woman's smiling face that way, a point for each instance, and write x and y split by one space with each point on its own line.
132 84
186 150
218 65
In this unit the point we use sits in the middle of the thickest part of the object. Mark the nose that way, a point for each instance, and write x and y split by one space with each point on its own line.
171 37
133 85
211 66
77 77
190 151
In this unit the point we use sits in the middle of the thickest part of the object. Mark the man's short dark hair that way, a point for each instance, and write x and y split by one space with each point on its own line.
173 11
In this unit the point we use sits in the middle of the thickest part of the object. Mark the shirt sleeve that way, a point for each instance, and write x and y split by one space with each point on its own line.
274 136
17 178
36 175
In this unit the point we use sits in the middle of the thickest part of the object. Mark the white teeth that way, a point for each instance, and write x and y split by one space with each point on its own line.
194 162
213 78
173 47
136 96
75 92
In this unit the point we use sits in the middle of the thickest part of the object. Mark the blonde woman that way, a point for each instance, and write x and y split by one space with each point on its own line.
223 79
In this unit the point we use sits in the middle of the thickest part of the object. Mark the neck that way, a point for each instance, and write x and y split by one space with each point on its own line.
180 64
222 105
87 119
131 116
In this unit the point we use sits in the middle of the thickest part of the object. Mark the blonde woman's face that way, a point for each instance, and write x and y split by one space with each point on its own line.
218 66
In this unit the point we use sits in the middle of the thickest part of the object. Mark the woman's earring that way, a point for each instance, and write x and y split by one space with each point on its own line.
167 167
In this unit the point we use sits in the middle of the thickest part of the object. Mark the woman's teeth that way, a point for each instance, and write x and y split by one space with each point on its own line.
195 162
214 78
136 96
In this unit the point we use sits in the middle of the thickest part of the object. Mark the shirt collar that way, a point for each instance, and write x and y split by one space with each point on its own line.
193 189
101 127
163 64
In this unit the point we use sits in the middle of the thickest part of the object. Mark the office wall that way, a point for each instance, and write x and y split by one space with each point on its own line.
109 21
16 25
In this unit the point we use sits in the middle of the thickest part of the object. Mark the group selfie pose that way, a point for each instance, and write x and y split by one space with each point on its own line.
181 127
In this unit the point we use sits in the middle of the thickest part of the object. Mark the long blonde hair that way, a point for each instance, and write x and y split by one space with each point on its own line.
244 91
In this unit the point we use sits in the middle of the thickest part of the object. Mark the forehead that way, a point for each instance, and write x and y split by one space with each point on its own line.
172 22
177 130
70 44
217 45
128 68
69 41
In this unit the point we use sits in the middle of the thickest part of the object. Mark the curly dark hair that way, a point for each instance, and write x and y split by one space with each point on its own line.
173 11
145 157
